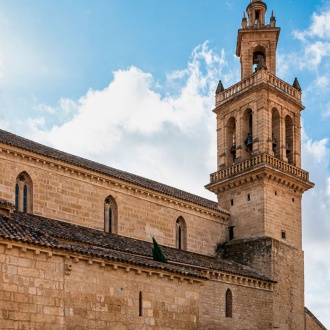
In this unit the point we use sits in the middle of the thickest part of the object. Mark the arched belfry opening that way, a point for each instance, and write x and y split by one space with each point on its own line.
247 133
231 141
259 59
289 139
276 132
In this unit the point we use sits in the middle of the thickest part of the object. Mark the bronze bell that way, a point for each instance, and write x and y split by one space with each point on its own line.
248 142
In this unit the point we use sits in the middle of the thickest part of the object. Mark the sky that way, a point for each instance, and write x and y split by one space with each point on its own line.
131 84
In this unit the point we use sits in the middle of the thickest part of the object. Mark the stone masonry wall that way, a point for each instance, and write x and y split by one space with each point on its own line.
252 308
40 290
74 195
285 265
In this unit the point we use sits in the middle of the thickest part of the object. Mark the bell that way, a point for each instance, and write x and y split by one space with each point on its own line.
288 149
248 142
233 149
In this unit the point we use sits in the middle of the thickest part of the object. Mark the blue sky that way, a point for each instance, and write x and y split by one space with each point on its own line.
131 84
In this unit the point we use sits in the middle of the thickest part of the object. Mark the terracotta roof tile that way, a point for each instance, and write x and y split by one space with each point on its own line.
20 142
73 238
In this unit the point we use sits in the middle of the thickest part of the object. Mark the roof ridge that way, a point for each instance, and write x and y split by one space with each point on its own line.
14 140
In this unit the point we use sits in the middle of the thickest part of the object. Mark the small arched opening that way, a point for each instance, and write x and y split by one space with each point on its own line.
110 215
229 303
181 234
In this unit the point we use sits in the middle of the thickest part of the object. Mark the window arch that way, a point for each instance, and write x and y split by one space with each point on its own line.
23 193
110 215
229 303
181 234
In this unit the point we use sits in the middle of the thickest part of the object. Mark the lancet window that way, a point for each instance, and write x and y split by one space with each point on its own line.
110 215
181 234
229 303
23 193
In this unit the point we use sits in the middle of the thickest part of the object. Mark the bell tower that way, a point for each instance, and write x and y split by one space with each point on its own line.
259 177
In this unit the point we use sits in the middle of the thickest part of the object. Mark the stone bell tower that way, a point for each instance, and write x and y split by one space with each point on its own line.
259 177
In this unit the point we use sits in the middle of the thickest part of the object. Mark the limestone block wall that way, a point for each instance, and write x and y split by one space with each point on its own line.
41 290
75 195
251 309
283 213
32 290
285 265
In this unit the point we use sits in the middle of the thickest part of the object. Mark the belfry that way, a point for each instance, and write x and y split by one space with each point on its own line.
259 177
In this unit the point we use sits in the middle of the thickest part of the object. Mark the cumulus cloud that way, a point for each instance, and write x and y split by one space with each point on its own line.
161 132
316 224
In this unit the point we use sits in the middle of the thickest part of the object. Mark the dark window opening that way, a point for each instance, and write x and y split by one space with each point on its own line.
293 200
283 234
229 303
181 234
25 191
249 197
231 202
257 15
231 232
16 196
140 304
275 193
110 215
179 238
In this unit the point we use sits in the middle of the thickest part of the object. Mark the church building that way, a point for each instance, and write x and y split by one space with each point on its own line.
76 236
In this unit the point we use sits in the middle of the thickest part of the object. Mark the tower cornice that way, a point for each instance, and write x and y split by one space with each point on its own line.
260 167
261 78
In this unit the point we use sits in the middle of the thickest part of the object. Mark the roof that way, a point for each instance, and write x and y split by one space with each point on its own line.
31 146
45 232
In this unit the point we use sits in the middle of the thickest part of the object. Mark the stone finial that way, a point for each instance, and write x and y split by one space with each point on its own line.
272 20
296 84
220 88
244 21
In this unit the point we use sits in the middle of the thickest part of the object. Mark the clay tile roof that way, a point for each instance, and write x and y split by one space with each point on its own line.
56 234
20 142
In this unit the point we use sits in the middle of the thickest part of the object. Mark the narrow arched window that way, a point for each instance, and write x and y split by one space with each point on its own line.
229 303
110 215
181 234
23 193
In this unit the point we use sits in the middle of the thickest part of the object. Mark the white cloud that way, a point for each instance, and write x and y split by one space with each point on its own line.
316 224
130 125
